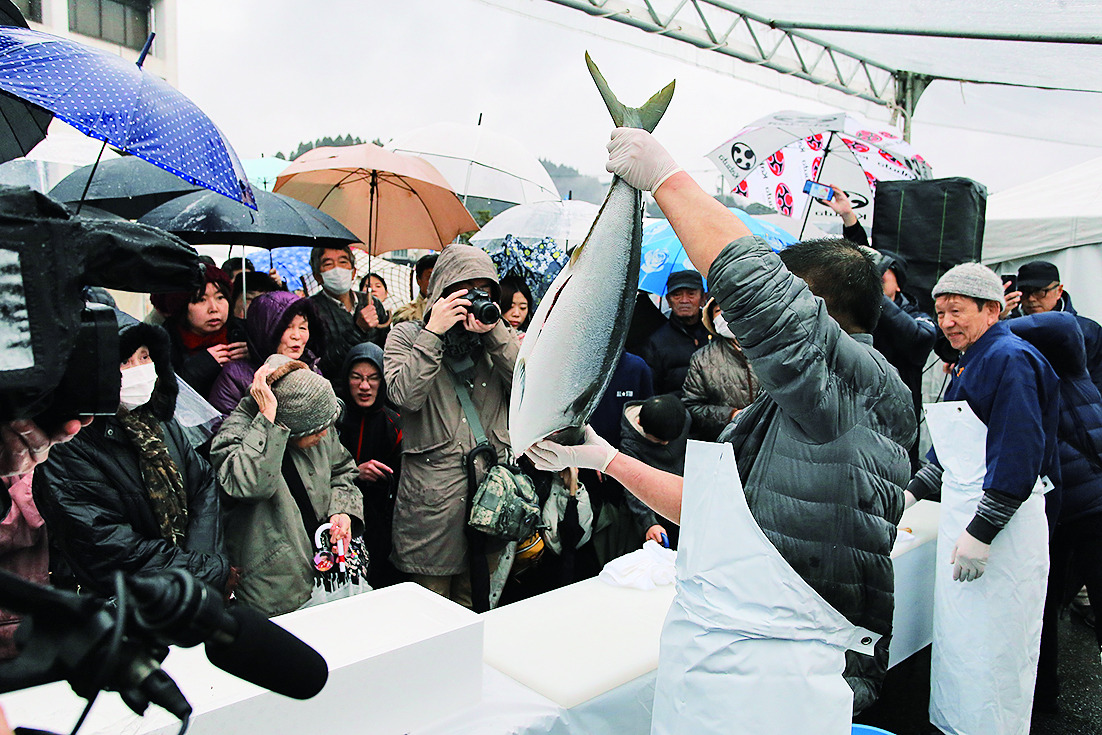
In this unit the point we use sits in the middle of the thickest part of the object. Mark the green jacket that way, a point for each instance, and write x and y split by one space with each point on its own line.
265 537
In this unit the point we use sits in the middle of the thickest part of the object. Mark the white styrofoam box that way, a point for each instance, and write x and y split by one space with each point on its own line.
579 641
398 657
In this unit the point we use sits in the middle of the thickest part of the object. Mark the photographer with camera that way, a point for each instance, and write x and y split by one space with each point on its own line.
461 348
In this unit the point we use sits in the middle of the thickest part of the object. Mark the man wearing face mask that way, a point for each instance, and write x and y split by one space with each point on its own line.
129 492
348 317
720 382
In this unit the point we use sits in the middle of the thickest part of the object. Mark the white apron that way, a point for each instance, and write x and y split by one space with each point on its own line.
987 633
748 646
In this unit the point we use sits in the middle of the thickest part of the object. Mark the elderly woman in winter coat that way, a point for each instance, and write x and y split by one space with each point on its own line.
284 473
277 323
425 361
720 381
128 492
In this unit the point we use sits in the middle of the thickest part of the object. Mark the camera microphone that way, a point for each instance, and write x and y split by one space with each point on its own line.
239 640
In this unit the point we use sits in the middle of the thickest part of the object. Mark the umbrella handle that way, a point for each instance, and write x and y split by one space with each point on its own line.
145 49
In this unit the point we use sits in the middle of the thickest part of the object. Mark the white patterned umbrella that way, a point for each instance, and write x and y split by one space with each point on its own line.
770 160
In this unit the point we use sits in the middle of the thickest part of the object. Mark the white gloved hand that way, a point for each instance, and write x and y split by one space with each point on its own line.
636 157
908 499
969 558
593 453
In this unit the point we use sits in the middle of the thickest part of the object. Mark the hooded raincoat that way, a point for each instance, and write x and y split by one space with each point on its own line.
430 513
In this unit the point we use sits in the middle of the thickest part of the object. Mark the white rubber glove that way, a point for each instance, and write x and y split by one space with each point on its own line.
636 157
969 558
593 453
908 499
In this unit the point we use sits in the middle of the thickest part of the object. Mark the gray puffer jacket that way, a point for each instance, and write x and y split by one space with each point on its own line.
720 381
822 451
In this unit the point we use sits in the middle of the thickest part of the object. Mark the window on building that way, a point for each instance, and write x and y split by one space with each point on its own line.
125 22
31 9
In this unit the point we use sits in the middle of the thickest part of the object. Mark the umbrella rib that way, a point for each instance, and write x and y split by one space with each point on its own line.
428 211
337 185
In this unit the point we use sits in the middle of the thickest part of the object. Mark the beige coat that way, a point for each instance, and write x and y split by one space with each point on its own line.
430 508
265 536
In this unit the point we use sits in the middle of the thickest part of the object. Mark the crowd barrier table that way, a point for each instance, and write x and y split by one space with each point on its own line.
578 659
398 658
583 658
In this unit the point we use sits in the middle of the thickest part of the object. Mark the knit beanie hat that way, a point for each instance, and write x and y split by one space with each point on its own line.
971 279
305 402
663 416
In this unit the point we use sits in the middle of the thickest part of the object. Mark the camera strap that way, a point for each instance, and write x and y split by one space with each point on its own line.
463 393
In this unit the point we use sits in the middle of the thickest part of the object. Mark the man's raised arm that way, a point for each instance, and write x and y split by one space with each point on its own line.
703 225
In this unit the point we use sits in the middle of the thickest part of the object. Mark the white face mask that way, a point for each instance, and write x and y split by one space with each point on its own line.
337 280
721 326
137 385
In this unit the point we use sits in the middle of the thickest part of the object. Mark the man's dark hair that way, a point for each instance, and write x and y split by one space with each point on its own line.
424 263
319 250
255 282
841 275
234 264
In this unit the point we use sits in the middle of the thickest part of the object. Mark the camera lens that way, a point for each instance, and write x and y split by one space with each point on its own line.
486 312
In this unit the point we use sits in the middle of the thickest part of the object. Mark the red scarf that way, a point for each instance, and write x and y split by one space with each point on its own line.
194 342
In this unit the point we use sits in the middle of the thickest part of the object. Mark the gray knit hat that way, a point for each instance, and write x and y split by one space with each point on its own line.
971 279
305 402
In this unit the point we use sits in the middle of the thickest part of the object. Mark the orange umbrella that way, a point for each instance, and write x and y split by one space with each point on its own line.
390 201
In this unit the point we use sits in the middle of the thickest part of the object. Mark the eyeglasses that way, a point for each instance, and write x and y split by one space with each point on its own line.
1039 293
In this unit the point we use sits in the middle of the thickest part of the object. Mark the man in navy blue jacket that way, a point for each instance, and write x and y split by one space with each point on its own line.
1040 291
1076 510
1015 392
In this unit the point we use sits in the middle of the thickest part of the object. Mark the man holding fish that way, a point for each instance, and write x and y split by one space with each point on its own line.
821 453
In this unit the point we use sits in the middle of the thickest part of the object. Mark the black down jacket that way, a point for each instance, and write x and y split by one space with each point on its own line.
822 450
91 495
720 381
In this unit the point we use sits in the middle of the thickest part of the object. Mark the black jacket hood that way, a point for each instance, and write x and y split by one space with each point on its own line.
132 335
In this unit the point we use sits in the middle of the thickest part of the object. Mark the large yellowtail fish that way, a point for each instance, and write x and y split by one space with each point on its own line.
577 334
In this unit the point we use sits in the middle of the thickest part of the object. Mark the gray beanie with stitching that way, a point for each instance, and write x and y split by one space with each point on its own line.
971 279
305 402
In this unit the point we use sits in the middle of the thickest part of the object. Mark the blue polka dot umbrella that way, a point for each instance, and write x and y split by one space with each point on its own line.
114 100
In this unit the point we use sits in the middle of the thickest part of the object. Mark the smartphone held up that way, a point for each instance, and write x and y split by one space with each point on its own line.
818 191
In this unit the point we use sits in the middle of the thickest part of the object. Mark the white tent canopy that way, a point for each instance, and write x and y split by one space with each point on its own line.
1057 218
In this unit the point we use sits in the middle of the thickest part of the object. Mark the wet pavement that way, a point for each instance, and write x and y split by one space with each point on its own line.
902 708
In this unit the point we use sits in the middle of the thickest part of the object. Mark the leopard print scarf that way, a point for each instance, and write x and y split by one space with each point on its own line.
160 475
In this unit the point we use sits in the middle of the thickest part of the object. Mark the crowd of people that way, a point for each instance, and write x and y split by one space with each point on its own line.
348 411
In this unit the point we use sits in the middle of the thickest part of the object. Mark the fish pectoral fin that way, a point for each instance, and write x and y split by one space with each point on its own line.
645 117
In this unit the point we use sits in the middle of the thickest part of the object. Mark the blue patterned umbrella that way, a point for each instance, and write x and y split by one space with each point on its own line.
537 263
663 253
111 99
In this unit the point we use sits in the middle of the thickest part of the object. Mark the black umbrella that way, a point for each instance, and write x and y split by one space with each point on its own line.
206 217
22 125
126 186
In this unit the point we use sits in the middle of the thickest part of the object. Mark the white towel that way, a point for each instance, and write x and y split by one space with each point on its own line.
649 567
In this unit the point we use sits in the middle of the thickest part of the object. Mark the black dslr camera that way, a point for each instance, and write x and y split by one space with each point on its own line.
59 357
482 306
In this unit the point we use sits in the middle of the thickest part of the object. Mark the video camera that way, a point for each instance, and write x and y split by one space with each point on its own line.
59 356
118 645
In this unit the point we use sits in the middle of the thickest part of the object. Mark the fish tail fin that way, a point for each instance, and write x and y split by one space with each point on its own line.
645 117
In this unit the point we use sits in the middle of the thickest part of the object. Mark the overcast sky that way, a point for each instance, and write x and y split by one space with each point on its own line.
272 73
